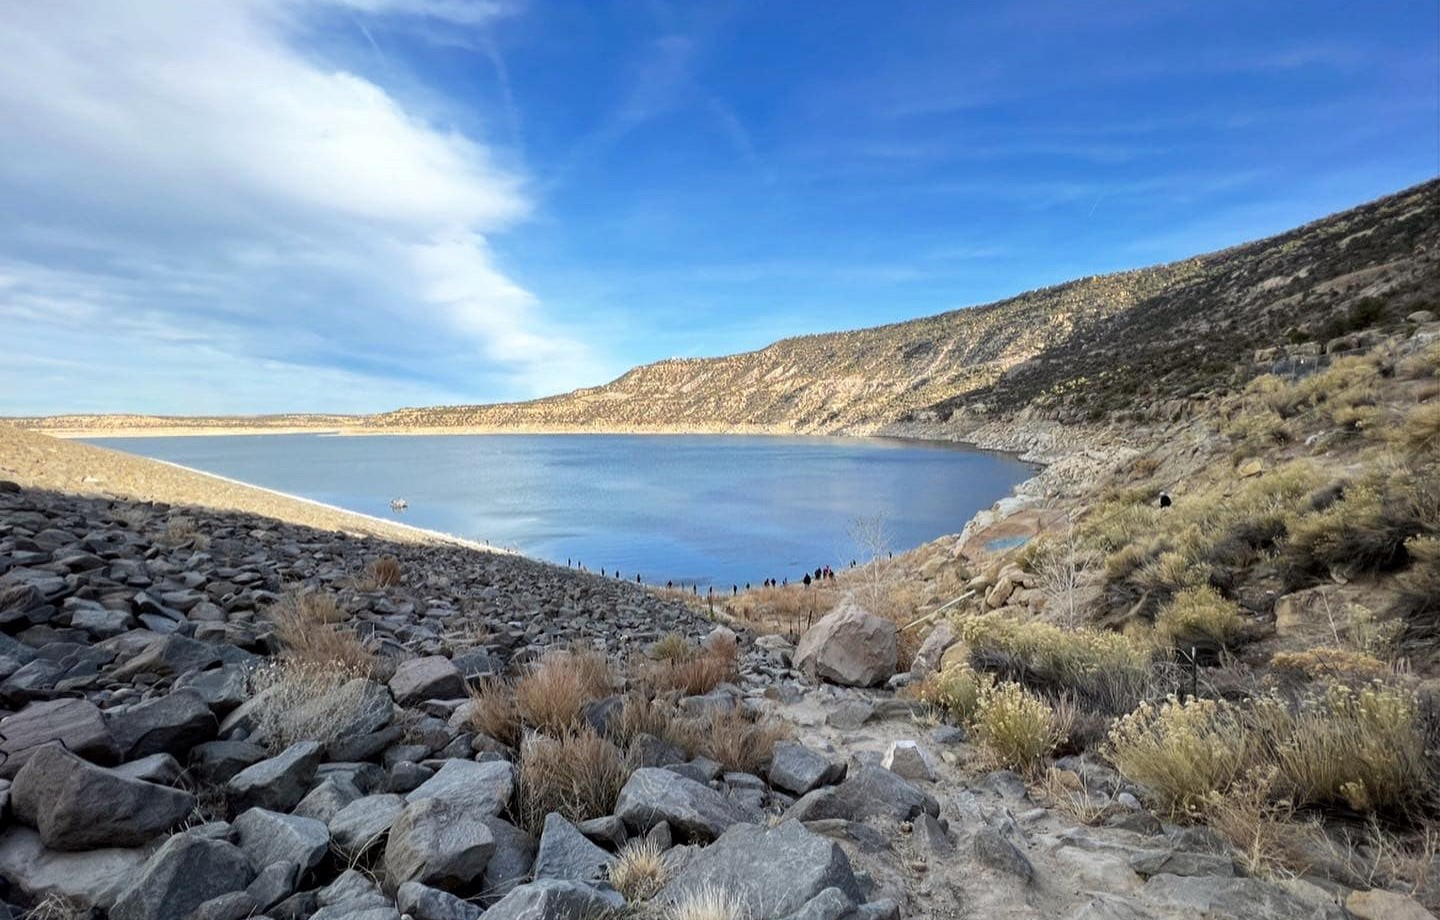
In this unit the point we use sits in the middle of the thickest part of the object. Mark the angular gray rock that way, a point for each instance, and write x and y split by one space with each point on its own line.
425 903
169 656
566 853
511 862
76 724
849 646
90 877
267 837
481 788
555 899
184 873
652 795
438 843
434 677
830 904
868 792
215 762
1231 899
328 797
278 783
771 872
993 849
171 724
797 769
364 822
76 805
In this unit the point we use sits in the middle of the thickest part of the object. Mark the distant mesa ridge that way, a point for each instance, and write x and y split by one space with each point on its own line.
1144 341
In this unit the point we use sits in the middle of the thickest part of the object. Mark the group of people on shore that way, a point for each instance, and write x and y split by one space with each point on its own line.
821 574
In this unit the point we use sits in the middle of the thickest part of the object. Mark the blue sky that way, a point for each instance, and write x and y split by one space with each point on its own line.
350 205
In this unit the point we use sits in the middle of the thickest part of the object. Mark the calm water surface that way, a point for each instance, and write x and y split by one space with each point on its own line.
692 509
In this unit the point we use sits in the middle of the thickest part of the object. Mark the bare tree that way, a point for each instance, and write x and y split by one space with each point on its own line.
873 540
1066 571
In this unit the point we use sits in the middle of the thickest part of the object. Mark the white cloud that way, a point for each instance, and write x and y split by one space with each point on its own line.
184 180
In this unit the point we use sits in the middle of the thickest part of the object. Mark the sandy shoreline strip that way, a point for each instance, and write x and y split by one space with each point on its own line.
38 461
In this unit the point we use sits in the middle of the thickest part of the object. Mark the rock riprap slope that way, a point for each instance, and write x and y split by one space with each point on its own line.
189 732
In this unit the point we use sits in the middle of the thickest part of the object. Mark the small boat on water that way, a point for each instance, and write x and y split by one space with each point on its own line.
398 504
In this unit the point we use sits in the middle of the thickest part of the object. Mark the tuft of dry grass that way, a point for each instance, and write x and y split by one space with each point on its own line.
552 694
1329 663
672 647
694 675
307 625
738 740
576 773
58 907
180 530
305 699
385 572
706 903
493 712
640 870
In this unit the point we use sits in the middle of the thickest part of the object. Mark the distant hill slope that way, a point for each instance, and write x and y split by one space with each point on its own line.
1145 340
1074 351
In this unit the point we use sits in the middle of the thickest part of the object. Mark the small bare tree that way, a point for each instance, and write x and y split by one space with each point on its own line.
873 540
1066 571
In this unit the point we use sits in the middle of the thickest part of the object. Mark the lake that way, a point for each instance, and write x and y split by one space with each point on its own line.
698 509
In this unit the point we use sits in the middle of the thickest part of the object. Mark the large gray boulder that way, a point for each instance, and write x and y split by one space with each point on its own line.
184 873
171 724
771 872
90 877
433 677
556 899
850 647
480 788
267 837
698 812
277 784
440 844
566 853
76 805
78 725
169 656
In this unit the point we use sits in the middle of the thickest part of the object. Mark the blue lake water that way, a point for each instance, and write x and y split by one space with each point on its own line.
716 510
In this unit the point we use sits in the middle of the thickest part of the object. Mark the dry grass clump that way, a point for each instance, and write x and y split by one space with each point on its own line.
1017 729
737 739
552 694
180 530
304 699
385 572
790 609
1417 597
58 907
641 714
672 647
1105 671
706 903
640 870
1181 752
1200 616
695 674
576 773
307 625
492 711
